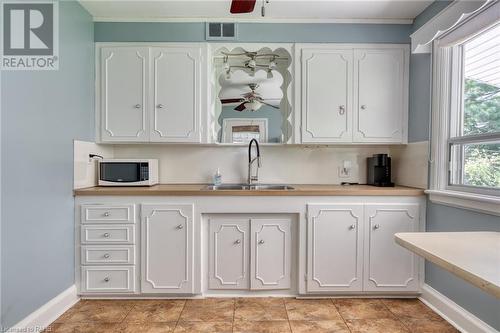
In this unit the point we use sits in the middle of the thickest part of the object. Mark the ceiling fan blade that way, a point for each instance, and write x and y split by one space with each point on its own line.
242 6
240 107
273 106
231 100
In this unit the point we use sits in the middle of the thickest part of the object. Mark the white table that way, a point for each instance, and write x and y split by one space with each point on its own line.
473 256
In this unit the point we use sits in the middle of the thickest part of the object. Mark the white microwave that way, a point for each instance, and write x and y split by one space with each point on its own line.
128 172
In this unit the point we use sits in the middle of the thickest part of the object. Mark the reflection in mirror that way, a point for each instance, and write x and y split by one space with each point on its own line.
252 102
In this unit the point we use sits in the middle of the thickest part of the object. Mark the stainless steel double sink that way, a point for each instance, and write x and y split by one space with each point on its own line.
251 187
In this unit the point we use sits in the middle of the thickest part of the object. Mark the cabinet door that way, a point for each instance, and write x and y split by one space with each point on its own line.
124 86
176 95
380 98
334 247
229 253
270 261
326 95
388 266
167 249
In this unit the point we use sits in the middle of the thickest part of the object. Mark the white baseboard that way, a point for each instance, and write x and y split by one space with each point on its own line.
462 319
47 313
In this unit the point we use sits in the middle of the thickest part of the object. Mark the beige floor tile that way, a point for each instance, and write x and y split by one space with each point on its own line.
325 326
311 310
259 301
410 308
147 327
357 308
206 313
155 311
207 327
428 326
261 327
385 325
108 311
210 302
260 313
82 328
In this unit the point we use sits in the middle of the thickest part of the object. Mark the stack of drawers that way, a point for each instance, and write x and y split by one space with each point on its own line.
108 249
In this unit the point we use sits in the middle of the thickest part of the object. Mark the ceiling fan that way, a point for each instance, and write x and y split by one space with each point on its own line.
251 100
246 6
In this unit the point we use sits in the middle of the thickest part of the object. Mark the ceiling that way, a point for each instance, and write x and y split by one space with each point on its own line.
375 11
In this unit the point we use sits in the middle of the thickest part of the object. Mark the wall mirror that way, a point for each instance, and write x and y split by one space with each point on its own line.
251 96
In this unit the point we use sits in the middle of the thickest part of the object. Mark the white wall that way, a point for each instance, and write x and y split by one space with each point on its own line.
281 164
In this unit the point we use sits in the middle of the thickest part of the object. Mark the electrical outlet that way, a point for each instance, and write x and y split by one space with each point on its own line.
345 170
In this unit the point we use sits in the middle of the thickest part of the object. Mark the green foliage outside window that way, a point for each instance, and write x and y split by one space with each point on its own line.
481 115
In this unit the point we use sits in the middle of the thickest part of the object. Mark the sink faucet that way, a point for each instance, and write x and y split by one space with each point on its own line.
253 178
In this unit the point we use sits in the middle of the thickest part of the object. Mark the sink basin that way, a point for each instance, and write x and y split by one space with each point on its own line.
246 187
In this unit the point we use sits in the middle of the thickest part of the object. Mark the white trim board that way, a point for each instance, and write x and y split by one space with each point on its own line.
457 316
252 20
47 313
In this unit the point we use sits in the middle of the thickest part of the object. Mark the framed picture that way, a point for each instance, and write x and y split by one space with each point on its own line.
242 130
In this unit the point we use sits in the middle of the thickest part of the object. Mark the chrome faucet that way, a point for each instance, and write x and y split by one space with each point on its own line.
253 178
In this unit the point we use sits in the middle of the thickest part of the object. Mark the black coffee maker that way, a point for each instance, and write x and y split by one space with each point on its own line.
379 170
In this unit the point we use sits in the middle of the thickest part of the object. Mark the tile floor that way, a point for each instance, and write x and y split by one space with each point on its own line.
256 315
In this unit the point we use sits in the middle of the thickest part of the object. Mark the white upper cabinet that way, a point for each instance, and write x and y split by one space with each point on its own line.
388 266
352 93
326 95
167 249
150 94
124 88
381 80
271 248
176 95
334 247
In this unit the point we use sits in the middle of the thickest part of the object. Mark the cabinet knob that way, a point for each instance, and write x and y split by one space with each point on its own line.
137 106
352 227
106 214
261 241
106 279
376 226
342 109
363 107
106 256
238 241
159 106
180 226
106 235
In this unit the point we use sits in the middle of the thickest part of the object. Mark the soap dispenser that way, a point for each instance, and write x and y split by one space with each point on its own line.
217 177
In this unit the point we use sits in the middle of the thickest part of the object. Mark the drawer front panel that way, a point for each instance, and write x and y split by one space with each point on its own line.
108 279
119 234
99 255
108 214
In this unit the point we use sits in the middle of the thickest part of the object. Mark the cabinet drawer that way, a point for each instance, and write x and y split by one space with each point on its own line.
119 279
108 214
95 234
97 255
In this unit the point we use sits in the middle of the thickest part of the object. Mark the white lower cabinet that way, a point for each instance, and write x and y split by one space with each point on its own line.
334 247
351 247
167 249
229 253
247 253
388 266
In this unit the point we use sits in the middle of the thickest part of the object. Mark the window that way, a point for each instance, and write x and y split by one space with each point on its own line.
474 121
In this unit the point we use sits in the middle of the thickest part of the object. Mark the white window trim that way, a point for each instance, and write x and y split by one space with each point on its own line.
442 91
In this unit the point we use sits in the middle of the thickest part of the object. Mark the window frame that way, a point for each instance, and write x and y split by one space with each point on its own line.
447 84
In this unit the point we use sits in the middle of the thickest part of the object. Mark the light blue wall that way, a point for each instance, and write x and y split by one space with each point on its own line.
439 217
42 112
254 32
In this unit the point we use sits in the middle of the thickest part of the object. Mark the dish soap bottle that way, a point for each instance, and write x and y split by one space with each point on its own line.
217 178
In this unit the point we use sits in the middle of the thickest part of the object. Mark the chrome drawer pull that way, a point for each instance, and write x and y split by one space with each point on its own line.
106 256
106 235
261 241
106 279
180 226
106 214
238 241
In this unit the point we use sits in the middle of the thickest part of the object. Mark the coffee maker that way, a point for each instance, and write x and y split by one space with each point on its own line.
379 170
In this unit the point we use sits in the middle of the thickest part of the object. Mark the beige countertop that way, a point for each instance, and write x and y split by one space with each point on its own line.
473 256
299 190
